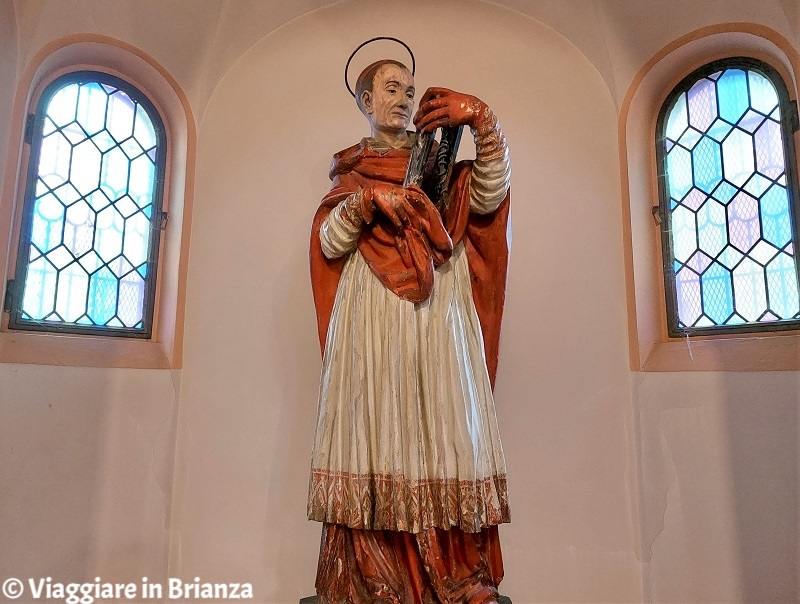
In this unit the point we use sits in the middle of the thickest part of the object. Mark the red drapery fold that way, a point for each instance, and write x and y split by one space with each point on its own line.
432 567
404 262
436 566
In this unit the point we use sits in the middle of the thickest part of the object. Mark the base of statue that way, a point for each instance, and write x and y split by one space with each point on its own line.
315 600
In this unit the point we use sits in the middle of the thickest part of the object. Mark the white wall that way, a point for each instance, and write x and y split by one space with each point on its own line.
86 472
719 467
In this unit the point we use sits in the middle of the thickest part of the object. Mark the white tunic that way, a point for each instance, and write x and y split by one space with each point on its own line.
407 437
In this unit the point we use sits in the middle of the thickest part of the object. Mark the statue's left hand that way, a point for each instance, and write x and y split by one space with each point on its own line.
442 107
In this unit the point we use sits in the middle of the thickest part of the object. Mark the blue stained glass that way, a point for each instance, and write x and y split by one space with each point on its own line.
763 96
751 290
48 223
684 233
119 118
90 211
744 226
40 289
92 108
711 225
769 149
73 283
62 106
707 165
724 248
724 192
775 217
690 138
719 130
114 174
102 296
730 257
143 130
732 92
737 156
757 185
688 290
85 167
678 119
702 104
679 172
782 283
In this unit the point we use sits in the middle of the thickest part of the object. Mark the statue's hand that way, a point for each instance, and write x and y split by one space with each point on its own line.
394 202
441 107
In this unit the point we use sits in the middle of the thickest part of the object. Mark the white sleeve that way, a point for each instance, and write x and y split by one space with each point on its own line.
489 183
338 235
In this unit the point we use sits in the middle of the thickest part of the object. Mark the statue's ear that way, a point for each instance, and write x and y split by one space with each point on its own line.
366 101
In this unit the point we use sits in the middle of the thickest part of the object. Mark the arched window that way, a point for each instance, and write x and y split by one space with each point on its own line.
729 201
92 217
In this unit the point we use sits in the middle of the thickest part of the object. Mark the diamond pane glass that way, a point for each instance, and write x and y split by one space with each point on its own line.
731 233
89 235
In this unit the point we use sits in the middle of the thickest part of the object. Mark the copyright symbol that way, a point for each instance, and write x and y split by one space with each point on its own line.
12 588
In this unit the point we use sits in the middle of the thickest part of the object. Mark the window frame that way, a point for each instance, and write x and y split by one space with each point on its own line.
34 142
788 110
95 52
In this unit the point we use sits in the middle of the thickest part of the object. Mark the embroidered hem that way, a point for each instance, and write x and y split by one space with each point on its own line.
388 502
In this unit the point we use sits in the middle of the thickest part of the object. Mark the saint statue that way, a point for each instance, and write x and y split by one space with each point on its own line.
408 474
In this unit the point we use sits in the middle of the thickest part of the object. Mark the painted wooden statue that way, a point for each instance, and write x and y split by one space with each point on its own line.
408 474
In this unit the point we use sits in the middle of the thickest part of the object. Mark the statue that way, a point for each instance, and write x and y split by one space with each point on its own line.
408 474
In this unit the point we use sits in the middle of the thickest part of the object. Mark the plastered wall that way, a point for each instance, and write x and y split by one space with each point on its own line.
86 473
624 487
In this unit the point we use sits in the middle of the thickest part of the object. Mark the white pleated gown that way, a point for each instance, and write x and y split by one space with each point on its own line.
406 436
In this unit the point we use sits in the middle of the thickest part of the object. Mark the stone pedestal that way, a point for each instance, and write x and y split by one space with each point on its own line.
314 600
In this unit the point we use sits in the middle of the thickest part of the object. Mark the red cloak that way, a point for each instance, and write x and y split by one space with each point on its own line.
404 262
436 565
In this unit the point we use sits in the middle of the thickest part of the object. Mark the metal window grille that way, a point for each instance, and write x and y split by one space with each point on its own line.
729 201
92 210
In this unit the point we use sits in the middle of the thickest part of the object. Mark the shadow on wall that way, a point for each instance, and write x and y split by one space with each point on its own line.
718 458
88 454
763 441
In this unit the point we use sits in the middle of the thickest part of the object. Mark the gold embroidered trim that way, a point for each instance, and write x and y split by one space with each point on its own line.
387 502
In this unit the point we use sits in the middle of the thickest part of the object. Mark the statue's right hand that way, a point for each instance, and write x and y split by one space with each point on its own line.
391 201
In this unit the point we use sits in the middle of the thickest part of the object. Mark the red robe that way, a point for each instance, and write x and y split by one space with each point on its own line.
447 566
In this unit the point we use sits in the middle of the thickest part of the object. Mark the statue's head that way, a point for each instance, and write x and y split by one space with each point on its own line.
385 95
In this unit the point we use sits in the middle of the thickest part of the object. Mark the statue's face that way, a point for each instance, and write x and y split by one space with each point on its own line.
391 102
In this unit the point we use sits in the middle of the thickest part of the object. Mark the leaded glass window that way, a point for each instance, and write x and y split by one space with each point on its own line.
728 201
92 214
